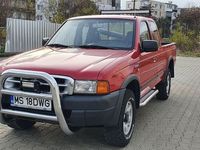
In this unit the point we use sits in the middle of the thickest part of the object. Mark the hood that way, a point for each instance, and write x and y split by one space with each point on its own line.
72 62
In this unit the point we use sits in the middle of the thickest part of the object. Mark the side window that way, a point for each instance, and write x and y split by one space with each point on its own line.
144 32
154 31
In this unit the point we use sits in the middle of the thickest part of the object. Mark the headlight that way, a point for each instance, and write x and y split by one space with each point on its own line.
85 87
91 87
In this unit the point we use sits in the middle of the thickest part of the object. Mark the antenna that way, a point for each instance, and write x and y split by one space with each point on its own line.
134 8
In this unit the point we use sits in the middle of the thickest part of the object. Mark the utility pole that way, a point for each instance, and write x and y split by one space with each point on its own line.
134 5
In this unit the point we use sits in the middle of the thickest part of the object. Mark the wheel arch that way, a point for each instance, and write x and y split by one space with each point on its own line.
132 83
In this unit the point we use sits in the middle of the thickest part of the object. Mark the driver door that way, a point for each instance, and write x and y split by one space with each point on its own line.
147 61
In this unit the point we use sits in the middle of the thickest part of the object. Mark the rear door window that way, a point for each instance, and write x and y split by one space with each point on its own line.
144 32
154 31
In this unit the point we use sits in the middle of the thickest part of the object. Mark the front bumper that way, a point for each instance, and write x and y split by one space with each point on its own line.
59 116
96 110
69 110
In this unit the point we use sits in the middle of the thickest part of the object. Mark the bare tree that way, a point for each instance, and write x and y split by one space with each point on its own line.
190 19
58 12
4 11
84 7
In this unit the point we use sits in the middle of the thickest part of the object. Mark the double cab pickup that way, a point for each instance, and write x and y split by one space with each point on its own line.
95 71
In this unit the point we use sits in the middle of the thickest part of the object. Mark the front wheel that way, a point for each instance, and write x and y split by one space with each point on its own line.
164 87
122 133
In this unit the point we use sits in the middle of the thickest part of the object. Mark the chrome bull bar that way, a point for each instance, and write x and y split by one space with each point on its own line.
55 97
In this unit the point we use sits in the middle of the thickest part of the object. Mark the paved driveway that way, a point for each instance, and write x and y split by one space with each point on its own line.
167 125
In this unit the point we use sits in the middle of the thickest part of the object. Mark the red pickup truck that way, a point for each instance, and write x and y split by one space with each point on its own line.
93 72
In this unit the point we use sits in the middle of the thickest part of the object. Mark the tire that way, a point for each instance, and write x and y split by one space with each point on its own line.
164 87
122 133
20 124
74 129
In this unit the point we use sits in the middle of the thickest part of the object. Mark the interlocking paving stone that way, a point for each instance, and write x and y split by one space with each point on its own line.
160 125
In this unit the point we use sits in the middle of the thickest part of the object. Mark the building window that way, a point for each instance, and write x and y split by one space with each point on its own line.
174 14
40 7
169 6
39 17
23 15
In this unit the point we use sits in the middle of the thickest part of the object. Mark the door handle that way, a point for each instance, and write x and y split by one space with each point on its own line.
137 65
155 59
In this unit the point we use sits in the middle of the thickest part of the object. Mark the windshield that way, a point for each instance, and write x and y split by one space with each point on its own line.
96 33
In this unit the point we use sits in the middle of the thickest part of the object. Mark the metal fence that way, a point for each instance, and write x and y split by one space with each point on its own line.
24 35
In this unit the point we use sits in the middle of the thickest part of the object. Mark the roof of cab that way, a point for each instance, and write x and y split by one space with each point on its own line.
110 17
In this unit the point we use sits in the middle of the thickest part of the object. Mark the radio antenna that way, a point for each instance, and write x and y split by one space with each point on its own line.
134 9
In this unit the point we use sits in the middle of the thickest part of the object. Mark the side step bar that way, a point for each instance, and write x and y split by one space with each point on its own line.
145 99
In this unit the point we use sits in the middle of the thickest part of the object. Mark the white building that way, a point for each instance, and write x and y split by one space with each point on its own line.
171 10
129 4
103 4
158 9
45 10
139 4
144 4
40 6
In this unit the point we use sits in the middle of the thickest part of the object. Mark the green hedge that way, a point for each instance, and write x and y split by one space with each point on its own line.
185 41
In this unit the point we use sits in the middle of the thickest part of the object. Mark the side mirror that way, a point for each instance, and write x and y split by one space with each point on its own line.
44 41
149 46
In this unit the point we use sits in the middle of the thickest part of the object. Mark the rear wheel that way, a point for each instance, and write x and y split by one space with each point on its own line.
164 87
122 133
20 124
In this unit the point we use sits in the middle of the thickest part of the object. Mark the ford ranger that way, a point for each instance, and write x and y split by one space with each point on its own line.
95 71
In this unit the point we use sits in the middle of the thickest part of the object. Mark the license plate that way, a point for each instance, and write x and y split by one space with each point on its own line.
31 103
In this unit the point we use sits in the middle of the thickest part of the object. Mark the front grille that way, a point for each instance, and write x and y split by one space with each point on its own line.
65 85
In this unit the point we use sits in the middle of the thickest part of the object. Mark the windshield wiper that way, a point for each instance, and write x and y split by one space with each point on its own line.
58 45
89 46
93 46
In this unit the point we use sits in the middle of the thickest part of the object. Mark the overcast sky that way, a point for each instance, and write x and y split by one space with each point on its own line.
184 3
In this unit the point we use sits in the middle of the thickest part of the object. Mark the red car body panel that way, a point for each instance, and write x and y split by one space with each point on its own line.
77 63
